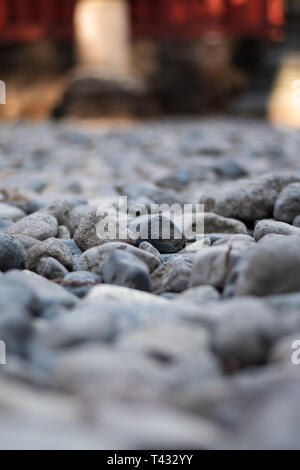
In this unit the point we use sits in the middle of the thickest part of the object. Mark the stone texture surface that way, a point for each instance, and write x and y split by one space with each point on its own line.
53 248
38 225
90 234
12 253
205 361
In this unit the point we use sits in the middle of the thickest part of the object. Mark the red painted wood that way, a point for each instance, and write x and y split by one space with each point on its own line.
29 20
192 18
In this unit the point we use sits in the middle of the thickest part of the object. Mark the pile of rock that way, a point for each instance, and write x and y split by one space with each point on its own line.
125 337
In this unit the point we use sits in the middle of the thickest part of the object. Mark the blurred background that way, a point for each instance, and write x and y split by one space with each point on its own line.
144 58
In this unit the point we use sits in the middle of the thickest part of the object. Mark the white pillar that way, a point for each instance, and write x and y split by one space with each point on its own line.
102 33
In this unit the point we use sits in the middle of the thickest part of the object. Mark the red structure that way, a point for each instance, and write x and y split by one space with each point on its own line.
192 18
31 20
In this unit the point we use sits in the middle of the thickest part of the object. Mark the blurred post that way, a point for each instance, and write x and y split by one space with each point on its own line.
103 37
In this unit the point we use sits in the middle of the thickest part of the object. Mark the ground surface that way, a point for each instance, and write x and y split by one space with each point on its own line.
123 347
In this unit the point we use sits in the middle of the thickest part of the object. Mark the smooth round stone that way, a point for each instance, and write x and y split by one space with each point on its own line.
52 248
38 225
63 232
48 293
12 253
214 223
50 268
71 245
243 331
248 200
229 169
16 292
16 330
107 292
172 276
287 205
209 267
80 283
5 223
199 294
146 246
272 268
99 228
11 212
25 240
296 221
92 259
125 269
160 231
266 227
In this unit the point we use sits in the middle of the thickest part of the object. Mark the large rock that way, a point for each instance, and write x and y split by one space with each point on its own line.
52 248
38 225
272 268
12 253
266 227
287 205
90 232
248 200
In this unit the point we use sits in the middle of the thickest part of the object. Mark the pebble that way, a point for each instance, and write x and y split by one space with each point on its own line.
90 233
160 231
71 245
50 268
272 268
80 283
172 276
204 360
199 294
146 246
249 200
214 223
210 267
124 269
92 259
287 205
63 232
12 253
38 225
265 227
52 248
